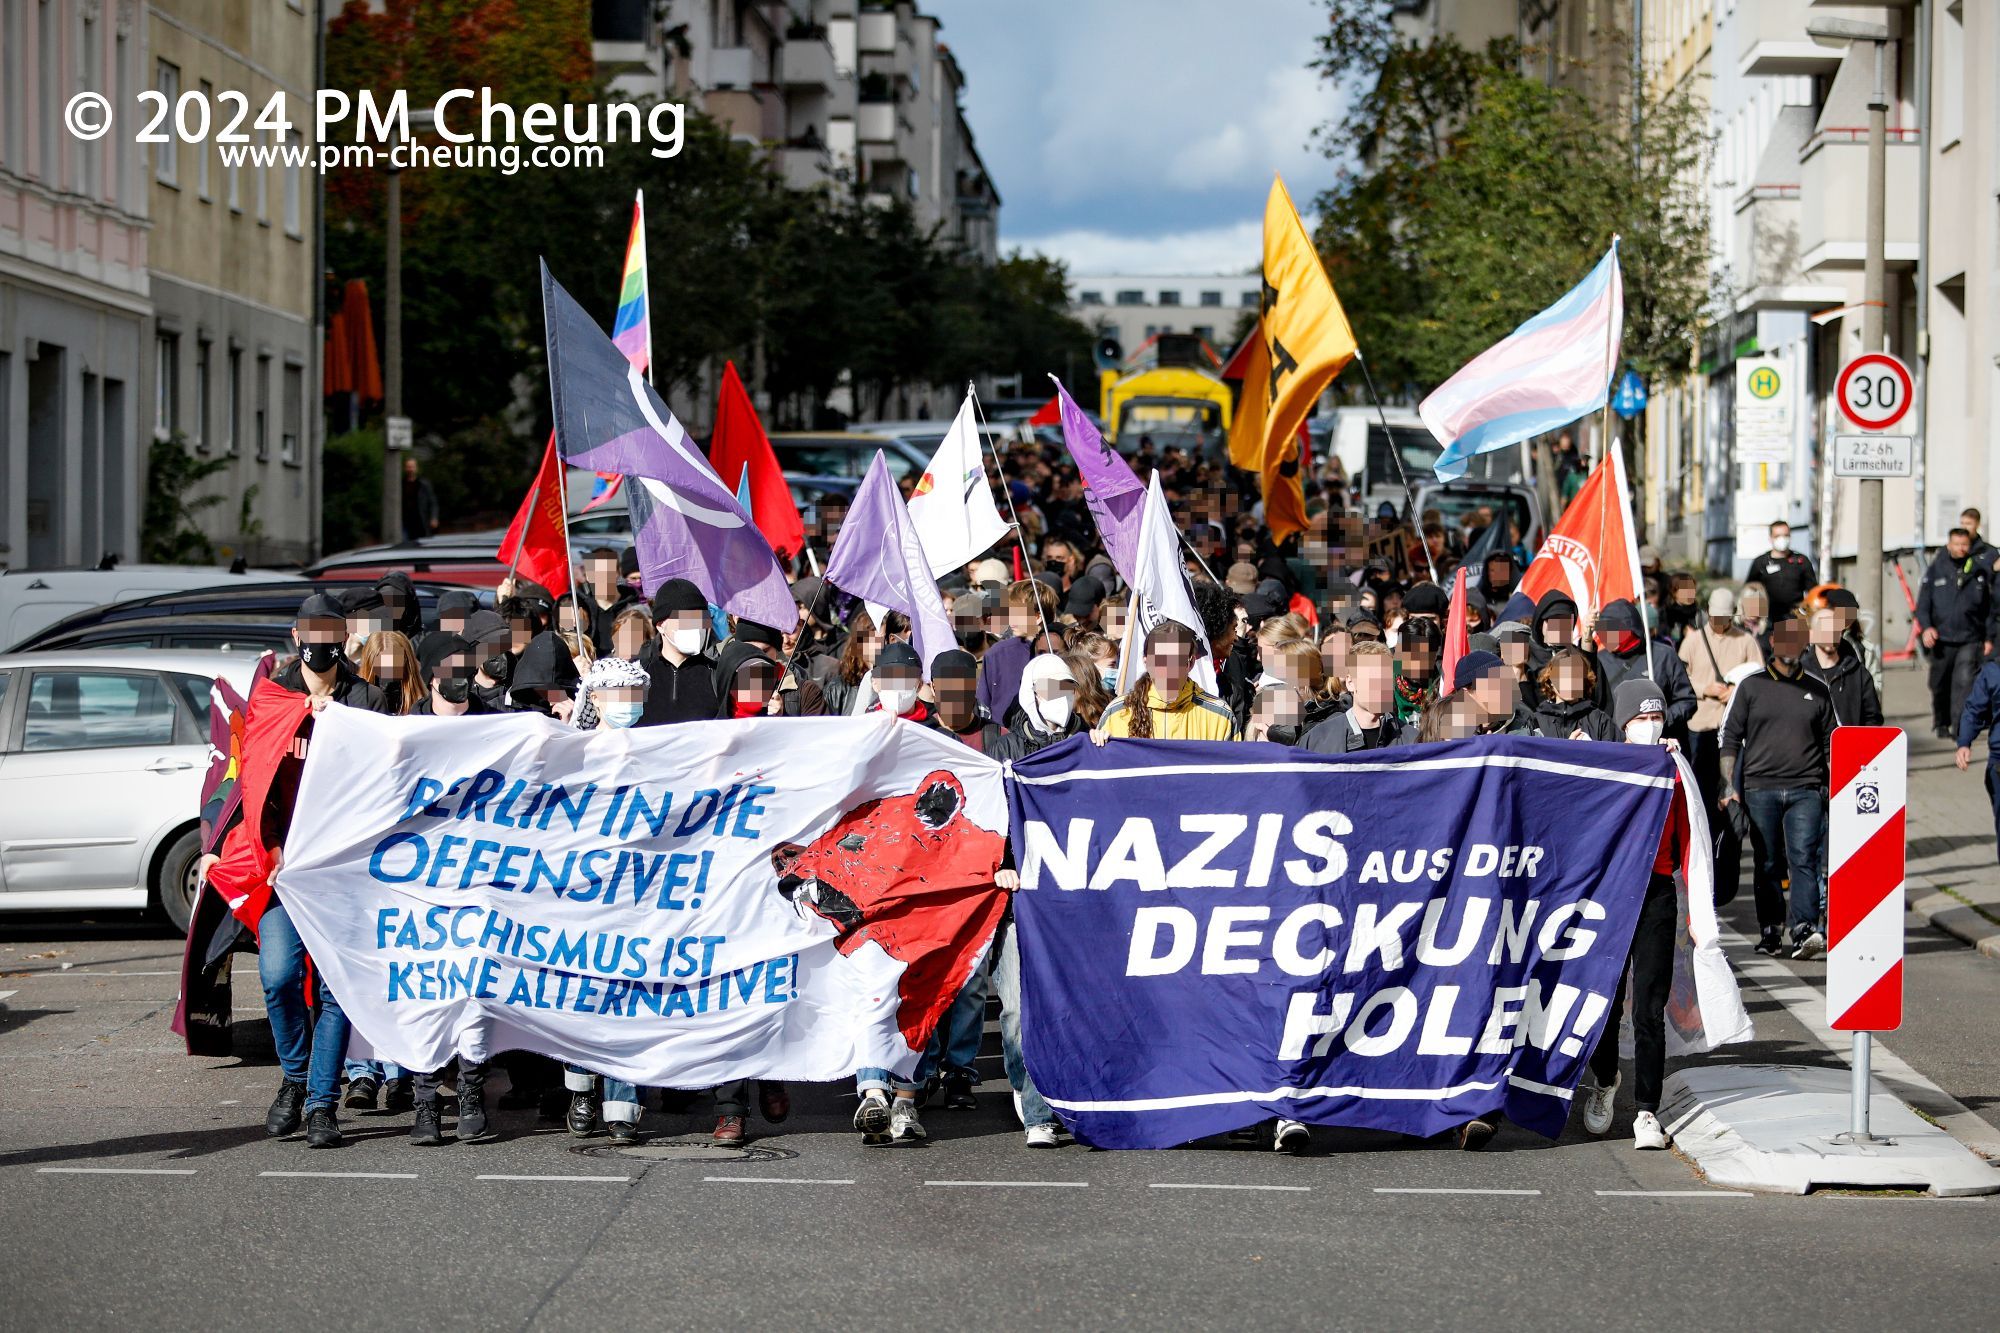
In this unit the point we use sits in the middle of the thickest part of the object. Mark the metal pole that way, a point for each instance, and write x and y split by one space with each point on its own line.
1868 549
1863 1049
1000 468
1409 495
392 350
1921 408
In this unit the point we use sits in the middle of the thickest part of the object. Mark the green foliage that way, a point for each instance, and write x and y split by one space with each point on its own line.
1485 194
351 489
168 531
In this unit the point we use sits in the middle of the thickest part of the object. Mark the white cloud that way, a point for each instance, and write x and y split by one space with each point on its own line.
1226 249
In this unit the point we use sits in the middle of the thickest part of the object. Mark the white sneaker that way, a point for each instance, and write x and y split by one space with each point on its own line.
1598 1102
904 1127
1646 1131
1812 946
1291 1137
1042 1136
872 1117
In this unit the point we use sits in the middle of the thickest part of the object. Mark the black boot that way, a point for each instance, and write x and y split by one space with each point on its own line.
361 1093
398 1096
283 1117
472 1126
322 1130
585 1119
958 1094
428 1131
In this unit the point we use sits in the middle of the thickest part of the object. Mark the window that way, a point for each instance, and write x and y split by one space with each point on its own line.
294 407
46 24
1169 296
1090 298
201 151
232 406
263 189
292 172
1131 296
261 423
90 153
1249 301
78 710
166 385
1211 298
203 356
233 174
1205 332
166 156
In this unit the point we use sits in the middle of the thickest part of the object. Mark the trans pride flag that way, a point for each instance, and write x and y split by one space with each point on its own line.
1552 370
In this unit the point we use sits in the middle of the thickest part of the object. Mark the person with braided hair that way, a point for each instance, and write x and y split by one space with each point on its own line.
1164 703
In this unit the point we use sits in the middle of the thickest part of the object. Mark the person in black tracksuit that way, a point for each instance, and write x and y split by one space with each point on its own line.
1775 742
1954 612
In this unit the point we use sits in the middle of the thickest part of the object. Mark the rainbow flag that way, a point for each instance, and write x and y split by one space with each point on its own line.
632 329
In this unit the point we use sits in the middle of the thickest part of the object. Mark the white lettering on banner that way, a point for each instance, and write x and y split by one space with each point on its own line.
670 906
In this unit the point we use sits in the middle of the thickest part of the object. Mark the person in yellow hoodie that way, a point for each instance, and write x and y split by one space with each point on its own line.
1165 704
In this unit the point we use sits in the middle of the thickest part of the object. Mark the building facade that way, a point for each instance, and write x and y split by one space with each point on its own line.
75 303
1133 308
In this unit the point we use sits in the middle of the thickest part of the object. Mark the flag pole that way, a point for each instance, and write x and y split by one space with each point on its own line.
1020 538
1409 495
645 275
534 494
1612 333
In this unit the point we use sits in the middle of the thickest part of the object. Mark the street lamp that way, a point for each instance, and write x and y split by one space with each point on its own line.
394 421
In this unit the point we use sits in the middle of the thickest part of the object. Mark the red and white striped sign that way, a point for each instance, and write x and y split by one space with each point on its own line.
1864 892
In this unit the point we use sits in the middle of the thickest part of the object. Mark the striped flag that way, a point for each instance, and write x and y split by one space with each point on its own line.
1552 370
631 327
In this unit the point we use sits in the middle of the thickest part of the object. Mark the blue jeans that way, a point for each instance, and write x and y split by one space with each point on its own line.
954 1048
380 1070
621 1100
1788 832
307 1053
1007 978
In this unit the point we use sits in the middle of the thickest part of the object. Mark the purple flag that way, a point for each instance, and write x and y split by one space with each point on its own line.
685 522
1110 487
879 558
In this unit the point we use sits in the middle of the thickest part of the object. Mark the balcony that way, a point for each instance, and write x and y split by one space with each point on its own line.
808 63
731 67
877 30
805 166
1833 184
875 122
1766 272
1771 34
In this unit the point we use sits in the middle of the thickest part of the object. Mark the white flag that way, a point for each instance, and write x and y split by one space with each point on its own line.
953 506
1160 592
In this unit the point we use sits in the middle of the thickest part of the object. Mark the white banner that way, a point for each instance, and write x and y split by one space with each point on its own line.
672 906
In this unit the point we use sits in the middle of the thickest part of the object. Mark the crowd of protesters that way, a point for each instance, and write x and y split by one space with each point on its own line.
1332 641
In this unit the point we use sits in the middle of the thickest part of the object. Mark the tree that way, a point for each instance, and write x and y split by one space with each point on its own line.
169 529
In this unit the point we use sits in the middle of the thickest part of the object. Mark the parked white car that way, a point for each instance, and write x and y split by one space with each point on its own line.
33 599
102 756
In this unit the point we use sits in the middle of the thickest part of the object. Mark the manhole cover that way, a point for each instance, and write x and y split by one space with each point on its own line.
688 1150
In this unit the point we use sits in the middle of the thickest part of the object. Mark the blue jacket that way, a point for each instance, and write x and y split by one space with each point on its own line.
1982 711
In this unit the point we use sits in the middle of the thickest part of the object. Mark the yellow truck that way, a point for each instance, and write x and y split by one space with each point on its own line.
1170 391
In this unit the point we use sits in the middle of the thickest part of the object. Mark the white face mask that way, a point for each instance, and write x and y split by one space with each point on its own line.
620 715
1056 711
688 642
1645 731
1782 542
896 701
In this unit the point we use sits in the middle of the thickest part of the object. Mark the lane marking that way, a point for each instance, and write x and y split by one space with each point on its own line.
1391 1189
1675 1194
1189 1185
8 994
231 1102
1806 1004
339 1175
92 972
772 1180
113 1171
1010 1184
612 1180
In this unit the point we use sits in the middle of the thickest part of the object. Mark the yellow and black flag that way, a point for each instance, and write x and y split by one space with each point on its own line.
1302 342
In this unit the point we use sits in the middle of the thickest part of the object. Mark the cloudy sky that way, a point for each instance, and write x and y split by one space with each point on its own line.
1139 136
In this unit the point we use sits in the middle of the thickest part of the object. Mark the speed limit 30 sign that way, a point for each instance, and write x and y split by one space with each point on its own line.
1875 390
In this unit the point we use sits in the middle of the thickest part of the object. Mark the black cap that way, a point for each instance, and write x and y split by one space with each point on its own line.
486 627
749 631
628 562
1474 665
457 602
1084 595
900 655
359 599
954 665
1841 599
1426 599
675 596
320 606
439 646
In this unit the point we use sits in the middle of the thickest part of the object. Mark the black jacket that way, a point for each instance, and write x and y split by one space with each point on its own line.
1539 649
1785 578
348 687
1849 686
1777 732
684 693
1025 739
1338 735
1558 720
1957 600
545 664
1613 669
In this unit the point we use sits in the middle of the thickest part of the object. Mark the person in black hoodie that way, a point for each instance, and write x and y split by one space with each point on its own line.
1555 625
1568 700
955 679
490 637
683 688
1836 664
399 602
1621 636
1775 744
1498 578
605 595
449 663
545 679
453 606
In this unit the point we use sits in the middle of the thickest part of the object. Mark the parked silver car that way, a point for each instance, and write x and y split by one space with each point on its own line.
102 756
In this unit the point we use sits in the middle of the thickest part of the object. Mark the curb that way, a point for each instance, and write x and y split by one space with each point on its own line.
1956 918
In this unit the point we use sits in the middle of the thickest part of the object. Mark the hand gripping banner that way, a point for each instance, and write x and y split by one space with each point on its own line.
1214 935
671 906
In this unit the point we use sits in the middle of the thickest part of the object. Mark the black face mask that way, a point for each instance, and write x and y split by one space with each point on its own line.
498 667
1283 734
319 657
454 689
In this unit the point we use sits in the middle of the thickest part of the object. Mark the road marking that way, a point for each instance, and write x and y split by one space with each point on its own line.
612 1180
1675 1194
340 1175
1188 1185
1010 1184
92 972
773 1180
231 1102
1391 1189
113 1171
8 994
1807 1004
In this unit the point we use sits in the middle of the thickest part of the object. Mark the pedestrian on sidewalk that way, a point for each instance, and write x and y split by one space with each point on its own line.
1775 745
1953 612
1783 572
1836 663
1982 713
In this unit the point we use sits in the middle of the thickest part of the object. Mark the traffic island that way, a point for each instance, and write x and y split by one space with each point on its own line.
1785 1130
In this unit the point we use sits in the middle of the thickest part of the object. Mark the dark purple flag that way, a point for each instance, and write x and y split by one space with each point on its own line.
1110 487
685 521
879 558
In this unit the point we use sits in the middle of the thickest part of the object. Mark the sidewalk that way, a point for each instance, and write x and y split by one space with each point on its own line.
1953 875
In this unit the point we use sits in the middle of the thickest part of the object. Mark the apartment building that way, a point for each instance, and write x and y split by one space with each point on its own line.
1133 308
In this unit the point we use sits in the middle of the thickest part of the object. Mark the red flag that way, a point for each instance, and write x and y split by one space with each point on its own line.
739 445
1455 634
1592 555
271 722
1048 414
537 530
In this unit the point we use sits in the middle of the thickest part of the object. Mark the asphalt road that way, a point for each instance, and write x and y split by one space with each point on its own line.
136 1188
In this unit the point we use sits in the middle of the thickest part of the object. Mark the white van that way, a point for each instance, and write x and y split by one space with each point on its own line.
33 599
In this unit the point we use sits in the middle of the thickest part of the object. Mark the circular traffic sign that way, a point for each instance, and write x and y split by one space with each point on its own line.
1874 390
1764 382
